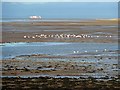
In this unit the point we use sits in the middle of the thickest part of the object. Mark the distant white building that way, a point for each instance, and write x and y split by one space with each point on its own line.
35 17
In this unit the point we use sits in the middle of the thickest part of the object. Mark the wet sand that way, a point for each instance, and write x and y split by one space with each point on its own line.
56 72
39 71
74 65
15 31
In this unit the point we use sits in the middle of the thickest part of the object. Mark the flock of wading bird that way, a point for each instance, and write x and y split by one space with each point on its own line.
68 36
105 50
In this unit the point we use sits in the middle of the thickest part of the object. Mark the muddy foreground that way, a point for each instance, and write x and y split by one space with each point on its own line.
47 83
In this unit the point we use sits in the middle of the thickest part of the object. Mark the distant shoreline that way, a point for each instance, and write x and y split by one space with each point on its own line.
54 19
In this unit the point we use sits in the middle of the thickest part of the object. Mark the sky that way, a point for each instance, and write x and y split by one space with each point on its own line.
59 0
98 12
60 10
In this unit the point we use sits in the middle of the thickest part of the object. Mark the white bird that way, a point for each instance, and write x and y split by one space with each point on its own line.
105 49
97 36
85 51
83 36
74 51
33 37
96 50
25 36
36 35
88 36
28 36
91 36
78 36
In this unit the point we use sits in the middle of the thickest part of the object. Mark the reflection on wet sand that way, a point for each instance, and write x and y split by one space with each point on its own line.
69 55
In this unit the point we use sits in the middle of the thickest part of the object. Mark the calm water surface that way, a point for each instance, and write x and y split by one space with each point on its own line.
10 50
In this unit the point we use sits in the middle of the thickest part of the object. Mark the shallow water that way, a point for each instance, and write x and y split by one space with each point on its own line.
10 50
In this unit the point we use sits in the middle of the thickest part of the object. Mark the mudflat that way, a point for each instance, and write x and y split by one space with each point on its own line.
77 71
61 31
